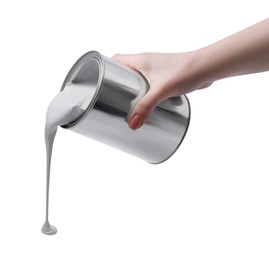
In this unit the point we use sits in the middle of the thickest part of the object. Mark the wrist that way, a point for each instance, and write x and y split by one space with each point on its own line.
199 70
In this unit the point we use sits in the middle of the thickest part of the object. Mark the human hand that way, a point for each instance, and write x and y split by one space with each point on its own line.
168 74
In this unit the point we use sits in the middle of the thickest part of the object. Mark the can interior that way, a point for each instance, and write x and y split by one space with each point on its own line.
85 74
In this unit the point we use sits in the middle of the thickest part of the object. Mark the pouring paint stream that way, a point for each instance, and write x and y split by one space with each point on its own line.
65 108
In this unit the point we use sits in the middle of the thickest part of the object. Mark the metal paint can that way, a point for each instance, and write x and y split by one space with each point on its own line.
116 89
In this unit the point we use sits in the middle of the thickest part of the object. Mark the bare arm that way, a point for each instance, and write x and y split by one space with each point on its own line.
245 52
173 74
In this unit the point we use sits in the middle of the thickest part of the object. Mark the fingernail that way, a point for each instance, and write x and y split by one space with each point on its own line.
135 122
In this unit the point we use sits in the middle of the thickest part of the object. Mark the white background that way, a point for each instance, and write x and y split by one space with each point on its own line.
209 201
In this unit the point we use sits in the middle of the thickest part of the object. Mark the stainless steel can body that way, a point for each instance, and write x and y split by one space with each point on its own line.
114 89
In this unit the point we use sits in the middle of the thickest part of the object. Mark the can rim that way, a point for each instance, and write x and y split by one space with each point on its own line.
84 58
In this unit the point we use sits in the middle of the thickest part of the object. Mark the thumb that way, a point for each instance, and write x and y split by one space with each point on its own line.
143 110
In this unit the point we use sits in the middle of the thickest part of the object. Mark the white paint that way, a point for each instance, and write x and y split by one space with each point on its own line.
65 108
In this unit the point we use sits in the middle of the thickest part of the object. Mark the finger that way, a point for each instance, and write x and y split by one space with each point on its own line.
143 110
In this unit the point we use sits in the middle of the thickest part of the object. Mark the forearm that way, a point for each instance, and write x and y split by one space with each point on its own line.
245 52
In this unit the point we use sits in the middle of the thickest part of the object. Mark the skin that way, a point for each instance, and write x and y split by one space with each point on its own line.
175 74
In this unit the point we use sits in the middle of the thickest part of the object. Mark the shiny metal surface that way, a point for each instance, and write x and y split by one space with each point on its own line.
113 91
